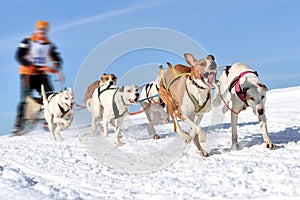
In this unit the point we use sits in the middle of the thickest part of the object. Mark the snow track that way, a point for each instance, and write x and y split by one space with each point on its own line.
84 166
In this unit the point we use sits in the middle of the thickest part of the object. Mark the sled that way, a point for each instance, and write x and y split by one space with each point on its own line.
33 114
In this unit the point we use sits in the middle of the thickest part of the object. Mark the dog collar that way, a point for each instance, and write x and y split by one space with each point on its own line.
196 84
198 107
238 90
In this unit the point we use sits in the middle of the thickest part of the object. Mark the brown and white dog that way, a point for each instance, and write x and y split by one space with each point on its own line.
186 92
242 87
153 105
111 78
58 110
92 101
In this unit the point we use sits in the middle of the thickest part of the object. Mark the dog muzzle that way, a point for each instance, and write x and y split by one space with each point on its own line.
209 78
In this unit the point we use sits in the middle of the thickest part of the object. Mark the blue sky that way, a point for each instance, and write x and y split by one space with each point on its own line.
263 34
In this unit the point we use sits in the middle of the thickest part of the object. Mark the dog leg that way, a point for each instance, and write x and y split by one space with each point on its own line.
57 132
185 136
117 133
105 126
199 148
234 119
113 125
263 127
196 129
94 119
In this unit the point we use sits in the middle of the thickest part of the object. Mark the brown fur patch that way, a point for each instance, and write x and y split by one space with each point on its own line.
264 87
89 92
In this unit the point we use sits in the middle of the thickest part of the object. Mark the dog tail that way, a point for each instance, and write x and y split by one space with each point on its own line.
44 95
89 104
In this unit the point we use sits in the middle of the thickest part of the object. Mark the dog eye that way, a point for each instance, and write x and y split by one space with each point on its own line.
66 98
262 97
251 98
129 91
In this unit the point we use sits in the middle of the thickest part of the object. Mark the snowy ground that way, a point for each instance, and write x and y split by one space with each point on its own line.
83 166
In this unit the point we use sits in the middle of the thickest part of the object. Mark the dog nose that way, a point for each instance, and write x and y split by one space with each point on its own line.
260 111
111 82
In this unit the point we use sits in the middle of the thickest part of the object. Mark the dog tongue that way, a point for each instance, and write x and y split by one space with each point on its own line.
211 78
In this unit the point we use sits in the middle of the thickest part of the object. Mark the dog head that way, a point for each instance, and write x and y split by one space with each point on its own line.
108 79
255 96
130 94
203 71
66 97
160 75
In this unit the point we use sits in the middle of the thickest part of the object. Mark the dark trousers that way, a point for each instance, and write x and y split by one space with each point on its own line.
28 84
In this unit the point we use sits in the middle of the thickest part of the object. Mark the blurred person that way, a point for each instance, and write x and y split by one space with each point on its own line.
33 54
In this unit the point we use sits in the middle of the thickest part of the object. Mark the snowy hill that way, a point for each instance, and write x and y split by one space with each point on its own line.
84 166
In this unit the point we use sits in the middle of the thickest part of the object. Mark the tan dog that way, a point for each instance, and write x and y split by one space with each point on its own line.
243 88
104 78
186 92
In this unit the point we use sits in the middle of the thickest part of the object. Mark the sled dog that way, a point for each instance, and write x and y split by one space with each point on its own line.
58 110
243 89
186 92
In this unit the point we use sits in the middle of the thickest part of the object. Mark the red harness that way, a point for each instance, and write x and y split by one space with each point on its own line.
238 90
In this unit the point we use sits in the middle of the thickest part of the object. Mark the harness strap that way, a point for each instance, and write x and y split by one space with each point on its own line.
115 107
198 107
107 88
238 90
63 111
177 76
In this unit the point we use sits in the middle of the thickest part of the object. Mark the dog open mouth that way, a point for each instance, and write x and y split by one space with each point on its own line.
210 78
135 101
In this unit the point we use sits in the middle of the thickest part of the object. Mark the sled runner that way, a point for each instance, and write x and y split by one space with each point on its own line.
33 114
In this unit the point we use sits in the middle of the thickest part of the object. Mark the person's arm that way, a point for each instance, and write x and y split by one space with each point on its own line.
56 58
22 51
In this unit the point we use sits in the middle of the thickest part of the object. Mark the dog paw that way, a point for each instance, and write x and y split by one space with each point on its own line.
271 146
203 153
234 147
156 137
118 144
187 138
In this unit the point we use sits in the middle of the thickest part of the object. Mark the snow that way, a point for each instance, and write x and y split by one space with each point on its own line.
85 166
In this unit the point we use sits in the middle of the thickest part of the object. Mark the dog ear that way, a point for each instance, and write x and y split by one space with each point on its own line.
114 77
245 90
169 65
121 89
211 58
190 59
263 86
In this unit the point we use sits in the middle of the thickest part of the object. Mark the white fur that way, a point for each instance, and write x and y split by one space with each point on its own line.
53 114
122 98
256 92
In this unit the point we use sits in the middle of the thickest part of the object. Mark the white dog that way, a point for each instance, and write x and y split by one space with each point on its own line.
152 105
243 88
116 102
58 110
